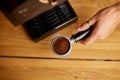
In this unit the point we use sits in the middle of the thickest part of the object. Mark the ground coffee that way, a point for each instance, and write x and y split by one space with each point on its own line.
61 45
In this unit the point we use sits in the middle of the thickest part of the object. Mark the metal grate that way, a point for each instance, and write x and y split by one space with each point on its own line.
50 20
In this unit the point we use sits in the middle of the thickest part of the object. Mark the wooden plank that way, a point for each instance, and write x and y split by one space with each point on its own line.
52 69
14 41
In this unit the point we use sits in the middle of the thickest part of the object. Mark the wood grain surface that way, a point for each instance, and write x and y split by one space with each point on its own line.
44 69
23 59
14 41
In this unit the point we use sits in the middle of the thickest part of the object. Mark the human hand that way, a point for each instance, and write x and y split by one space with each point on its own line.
104 22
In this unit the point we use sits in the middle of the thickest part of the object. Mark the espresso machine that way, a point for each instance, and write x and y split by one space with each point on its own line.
39 17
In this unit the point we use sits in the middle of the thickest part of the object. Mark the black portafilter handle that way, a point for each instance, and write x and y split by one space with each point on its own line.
81 35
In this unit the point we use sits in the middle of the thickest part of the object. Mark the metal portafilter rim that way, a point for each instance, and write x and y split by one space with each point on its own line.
54 39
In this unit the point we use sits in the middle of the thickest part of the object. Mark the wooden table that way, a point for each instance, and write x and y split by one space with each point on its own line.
23 59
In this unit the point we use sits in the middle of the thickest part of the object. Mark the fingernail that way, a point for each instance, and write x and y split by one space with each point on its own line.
78 28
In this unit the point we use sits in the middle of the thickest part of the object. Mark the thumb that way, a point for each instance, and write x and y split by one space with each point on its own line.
87 24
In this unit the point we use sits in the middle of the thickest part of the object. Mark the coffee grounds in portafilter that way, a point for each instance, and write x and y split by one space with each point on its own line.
61 46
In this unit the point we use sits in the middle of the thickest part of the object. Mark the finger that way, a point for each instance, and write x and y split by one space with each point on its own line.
83 27
90 39
87 24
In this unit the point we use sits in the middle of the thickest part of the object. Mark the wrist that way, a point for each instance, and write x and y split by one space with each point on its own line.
117 7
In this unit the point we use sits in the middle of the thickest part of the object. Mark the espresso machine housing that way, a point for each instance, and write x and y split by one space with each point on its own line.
40 17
